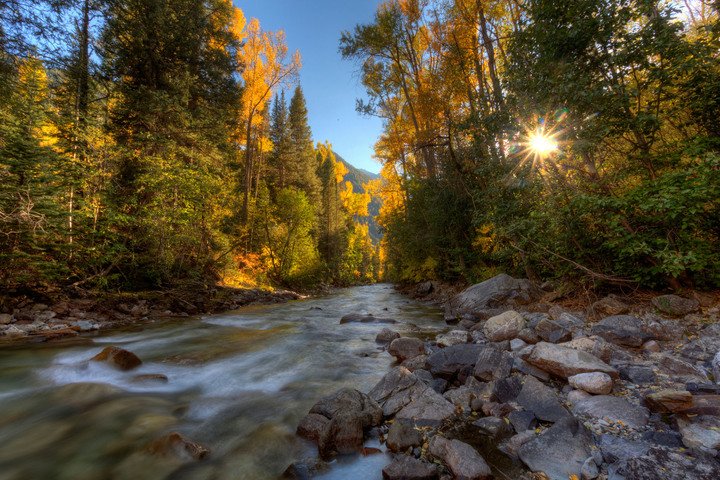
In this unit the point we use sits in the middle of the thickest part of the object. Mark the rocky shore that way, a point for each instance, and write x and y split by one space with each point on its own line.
32 317
521 387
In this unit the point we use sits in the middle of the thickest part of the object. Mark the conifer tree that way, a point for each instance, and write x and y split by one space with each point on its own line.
302 171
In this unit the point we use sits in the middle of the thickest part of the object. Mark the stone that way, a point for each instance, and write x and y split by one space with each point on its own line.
343 435
597 383
609 305
151 378
118 358
522 420
305 469
666 464
493 427
403 435
415 363
652 346
430 409
455 337
636 373
396 389
677 368
589 470
560 452
404 467
14 332
406 347
593 345
492 363
506 389
565 362
511 446
716 368
675 305
705 347
312 426
463 396
5 319
528 335
701 432
542 400
175 444
520 365
505 326
614 409
577 396
462 460
517 344
551 331
359 318
669 401
454 363
624 330
618 449
496 292
386 336
705 405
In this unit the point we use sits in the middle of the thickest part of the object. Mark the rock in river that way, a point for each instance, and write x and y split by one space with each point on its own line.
403 435
565 362
455 362
370 318
406 347
177 445
118 358
404 467
386 336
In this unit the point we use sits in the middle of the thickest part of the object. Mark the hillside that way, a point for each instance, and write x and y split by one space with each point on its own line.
358 177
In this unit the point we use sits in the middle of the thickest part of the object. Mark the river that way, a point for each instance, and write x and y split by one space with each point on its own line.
238 384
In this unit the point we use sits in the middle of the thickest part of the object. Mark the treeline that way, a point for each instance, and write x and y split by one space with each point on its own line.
140 147
547 138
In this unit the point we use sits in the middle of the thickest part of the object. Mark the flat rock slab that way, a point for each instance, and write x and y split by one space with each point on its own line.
565 362
406 347
495 292
669 401
675 305
560 451
505 326
615 409
624 330
397 388
464 462
542 400
493 363
431 409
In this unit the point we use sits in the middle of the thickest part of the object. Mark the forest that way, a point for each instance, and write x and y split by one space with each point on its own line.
149 143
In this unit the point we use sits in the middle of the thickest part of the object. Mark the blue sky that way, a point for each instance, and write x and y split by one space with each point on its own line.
331 84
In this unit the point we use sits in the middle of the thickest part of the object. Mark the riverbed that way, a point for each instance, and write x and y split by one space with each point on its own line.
238 383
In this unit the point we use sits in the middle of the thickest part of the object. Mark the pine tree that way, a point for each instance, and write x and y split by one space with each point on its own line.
302 171
281 142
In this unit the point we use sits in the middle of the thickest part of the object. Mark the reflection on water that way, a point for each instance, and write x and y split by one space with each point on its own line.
238 384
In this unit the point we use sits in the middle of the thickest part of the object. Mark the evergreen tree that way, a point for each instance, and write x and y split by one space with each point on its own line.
281 154
302 171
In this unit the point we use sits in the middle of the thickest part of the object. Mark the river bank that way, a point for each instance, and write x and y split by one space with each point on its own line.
525 384
31 316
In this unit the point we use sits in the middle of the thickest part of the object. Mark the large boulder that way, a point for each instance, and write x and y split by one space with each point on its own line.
615 409
403 435
348 400
675 305
454 363
701 432
396 389
565 362
560 451
430 409
406 347
462 460
386 336
542 400
118 358
343 435
597 383
669 401
505 326
456 337
493 293
404 467
624 330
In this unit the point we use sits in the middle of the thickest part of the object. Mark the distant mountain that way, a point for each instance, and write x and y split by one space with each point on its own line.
357 177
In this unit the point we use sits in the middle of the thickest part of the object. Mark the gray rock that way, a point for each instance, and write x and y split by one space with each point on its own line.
403 435
404 467
520 365
615 409
701 432
406 347
493 427
461 459
5 319
506 389
492 363
313 426
495 292
565 362
597 383
430 409
551 331
636 373
415 363
663 463
593 345
505 326
397 389
359 318
716 368
454 363
618 449
609 305
14 332
669 401
559 452
511 446
542 400
589 470
577 396
522 420
624 330
517 344
455 337
350 402
675 305
386 336
678 369
343 435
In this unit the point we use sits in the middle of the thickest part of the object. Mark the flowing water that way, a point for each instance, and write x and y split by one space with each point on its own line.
239 383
